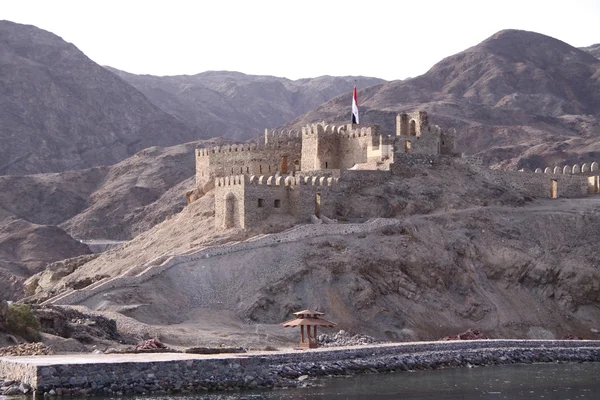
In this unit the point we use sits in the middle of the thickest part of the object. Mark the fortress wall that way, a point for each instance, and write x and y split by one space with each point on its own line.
242 201
245 159
448 141
310 141
427 143
263 200
315 199
282 137
328 152
539 185
203 173
413 124
330 147
354 150
229 202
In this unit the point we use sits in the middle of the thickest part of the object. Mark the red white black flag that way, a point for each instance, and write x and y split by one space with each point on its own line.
354 107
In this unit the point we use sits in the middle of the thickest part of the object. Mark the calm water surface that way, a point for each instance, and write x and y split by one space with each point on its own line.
539 381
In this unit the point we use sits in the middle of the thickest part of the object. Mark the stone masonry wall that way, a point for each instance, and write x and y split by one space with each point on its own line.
167 374
330 147
274 198
245 159
539 185
229 202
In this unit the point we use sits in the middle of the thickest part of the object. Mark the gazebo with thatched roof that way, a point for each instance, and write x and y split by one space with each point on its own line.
309 319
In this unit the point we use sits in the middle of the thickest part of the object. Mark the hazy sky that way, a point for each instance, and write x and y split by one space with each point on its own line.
303 38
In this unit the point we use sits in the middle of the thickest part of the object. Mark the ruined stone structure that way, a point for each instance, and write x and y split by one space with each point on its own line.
298 174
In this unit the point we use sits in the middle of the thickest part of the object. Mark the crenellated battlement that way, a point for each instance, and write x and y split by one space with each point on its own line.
275 180
231 180
285 136
247 147
322 129
342 131
575 169
288 180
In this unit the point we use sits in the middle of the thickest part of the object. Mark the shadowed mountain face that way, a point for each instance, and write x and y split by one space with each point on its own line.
59 110
519 98
239 106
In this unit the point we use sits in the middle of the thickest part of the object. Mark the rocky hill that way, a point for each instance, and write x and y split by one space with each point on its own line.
236 105
465 251
27 248
520 99
61 111
40 214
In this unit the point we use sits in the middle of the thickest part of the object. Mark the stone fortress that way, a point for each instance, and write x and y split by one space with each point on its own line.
299 174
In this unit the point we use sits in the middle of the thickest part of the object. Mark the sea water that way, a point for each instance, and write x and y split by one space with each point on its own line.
548 381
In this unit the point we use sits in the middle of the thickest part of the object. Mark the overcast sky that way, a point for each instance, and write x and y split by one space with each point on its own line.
295 39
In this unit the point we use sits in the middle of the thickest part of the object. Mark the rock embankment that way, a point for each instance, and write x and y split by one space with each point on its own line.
169 374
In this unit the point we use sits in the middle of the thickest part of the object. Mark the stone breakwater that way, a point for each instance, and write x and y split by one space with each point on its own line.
184 373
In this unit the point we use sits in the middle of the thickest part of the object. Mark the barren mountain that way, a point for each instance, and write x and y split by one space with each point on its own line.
593 50
59 110
518 98
236 105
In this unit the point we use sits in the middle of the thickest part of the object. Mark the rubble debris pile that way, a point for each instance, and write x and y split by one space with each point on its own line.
26 349
469 334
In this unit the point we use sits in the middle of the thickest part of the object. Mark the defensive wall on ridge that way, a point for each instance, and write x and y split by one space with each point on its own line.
296 173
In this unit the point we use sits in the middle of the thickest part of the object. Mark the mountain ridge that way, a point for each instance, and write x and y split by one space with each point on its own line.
237 105
538 108
61 111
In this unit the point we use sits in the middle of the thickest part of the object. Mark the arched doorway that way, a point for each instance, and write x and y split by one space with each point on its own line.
230 211
412 128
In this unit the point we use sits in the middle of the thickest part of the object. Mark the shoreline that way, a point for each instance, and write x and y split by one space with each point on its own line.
167 373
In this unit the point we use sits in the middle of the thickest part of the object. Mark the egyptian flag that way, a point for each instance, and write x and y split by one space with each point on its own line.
354 107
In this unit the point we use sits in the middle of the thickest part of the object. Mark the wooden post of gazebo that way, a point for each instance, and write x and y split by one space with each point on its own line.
309 318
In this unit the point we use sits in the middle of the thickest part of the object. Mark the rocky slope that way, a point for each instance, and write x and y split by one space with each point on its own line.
27 248
593 50
60 111
41 213
520 99
466 252
115 202
236 105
